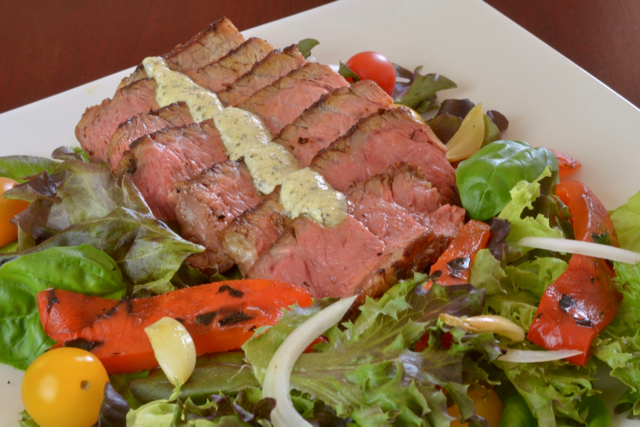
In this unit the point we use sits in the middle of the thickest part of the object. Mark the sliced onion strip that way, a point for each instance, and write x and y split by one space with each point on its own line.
534 356
277 378
582 248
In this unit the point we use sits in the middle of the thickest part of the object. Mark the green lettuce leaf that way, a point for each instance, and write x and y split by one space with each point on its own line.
368 367
247 409
20 167
552 390
618 345
514 291
75 268
420 91
147 251
626 220
536 275
522 197
205 381
83 203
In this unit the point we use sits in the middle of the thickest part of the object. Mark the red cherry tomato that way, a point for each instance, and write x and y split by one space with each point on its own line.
374 66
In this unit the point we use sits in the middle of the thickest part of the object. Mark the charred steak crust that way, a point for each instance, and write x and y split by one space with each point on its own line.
218 75
173 115
205 47
283 101
158 161
381 140
207 203
98 123
250 234
330 117
273 66
214 77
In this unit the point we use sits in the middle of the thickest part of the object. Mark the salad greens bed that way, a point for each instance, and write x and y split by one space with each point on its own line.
87 232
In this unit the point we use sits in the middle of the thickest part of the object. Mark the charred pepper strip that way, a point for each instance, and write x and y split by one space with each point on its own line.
454 265
584 299
219 316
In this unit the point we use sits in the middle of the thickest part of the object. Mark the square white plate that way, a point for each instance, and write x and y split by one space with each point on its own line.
548 100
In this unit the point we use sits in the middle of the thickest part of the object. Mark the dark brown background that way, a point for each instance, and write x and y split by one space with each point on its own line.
48 46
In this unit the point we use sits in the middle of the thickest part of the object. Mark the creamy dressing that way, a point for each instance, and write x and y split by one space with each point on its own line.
302 192
174 87
245 135
306 192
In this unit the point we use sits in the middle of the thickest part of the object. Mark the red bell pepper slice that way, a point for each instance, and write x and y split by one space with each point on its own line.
584 299
566 164
454 265
220 316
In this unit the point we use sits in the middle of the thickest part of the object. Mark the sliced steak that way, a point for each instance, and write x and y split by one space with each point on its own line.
330 117
412 191
142 124
205 47
329 261
275 65
206 204
98 123
281 102
220 74
381 140
158 161
402 209
249 235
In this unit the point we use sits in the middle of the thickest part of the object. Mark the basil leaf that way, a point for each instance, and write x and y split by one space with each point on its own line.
305 46
347 72
486 178
75 268
20 167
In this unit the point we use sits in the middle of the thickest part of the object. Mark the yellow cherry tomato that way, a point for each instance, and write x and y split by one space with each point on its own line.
9 209
64 387
488 405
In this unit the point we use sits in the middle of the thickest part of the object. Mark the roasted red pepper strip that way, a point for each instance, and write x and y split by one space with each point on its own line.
454 265
584 299
566 164
219 316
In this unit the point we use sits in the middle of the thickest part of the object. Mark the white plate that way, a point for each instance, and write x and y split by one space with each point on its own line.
549 100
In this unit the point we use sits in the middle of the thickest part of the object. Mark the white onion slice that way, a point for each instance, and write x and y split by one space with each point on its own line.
582 248
276 381
533 356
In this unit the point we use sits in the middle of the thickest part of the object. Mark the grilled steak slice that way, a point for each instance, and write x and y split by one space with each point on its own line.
203 48
330 117
281 102
413 192
142 124
214 77
275 65
403 210
158 161
206 204
98 123
220 74
254 231
329 261
381 140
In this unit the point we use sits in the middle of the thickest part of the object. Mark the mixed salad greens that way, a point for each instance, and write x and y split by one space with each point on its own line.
396 362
